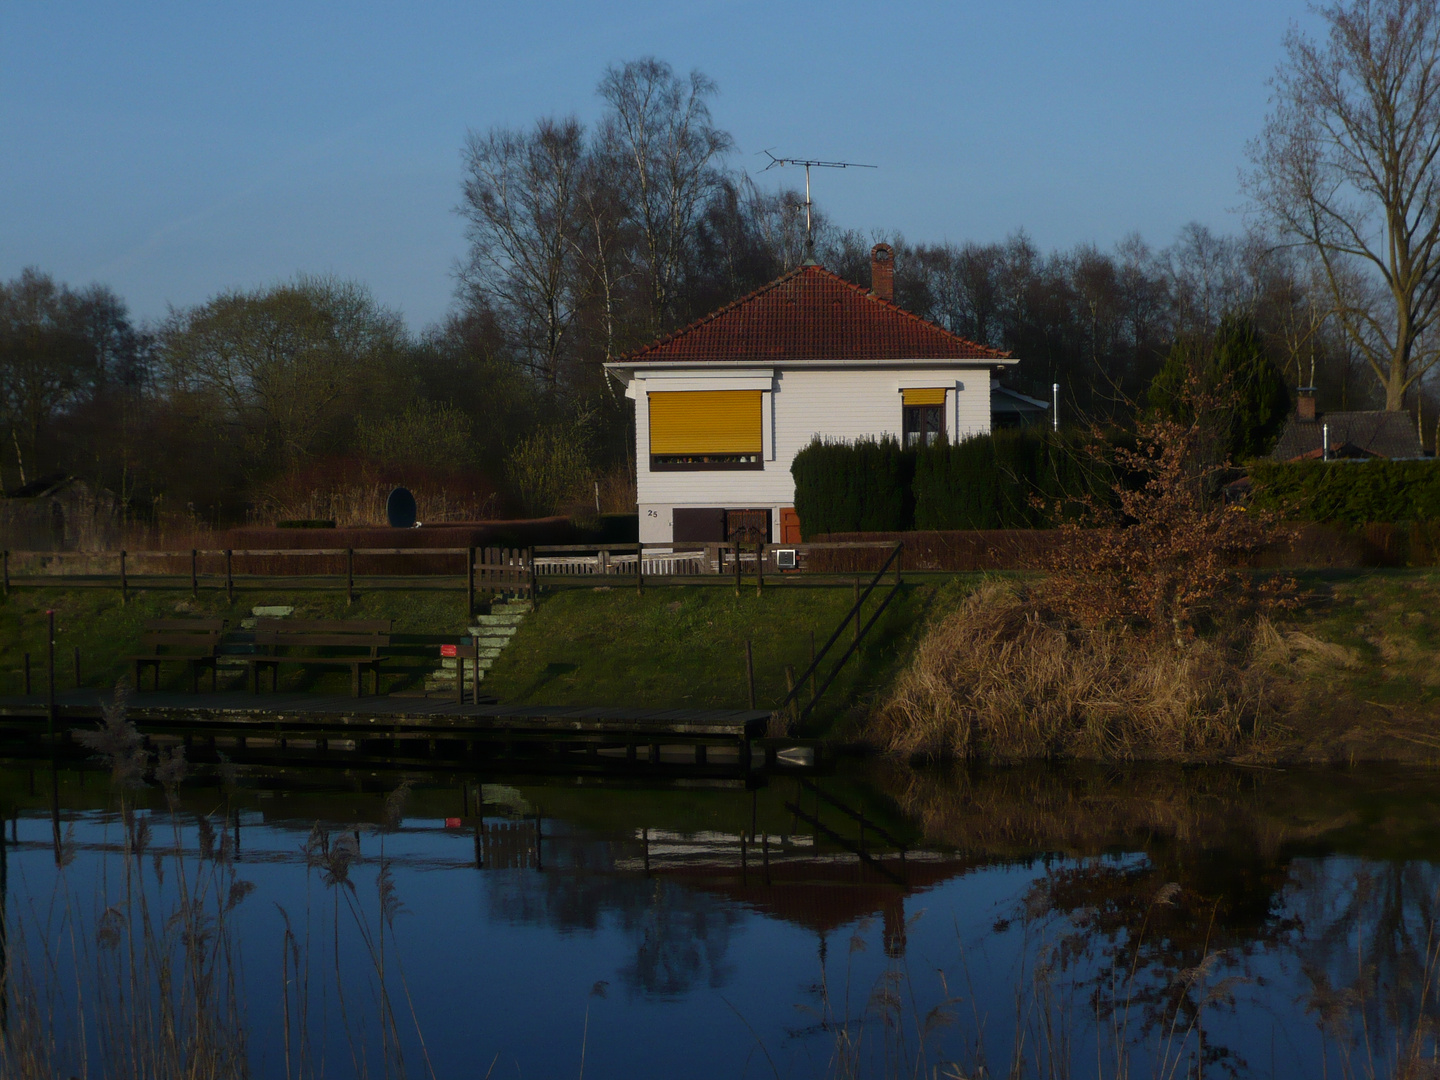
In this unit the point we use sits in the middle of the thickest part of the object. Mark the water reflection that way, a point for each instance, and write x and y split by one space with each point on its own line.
1036 921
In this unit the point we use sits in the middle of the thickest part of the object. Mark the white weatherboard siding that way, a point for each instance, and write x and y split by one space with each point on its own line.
797 404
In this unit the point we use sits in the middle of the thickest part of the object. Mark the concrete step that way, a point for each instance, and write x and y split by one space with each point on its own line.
493 631
514 618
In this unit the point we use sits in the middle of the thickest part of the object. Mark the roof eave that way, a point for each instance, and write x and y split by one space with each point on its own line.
969 362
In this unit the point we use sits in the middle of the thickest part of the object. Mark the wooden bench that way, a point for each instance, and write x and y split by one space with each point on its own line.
191 641
352 643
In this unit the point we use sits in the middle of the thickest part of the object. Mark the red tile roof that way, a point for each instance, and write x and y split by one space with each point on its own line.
812 314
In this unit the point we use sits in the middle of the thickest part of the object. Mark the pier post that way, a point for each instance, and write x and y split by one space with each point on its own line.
50 668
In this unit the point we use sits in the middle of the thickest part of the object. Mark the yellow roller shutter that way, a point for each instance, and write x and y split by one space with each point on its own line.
705 422
925 397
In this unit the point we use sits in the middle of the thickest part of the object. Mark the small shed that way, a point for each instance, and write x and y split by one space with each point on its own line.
59 512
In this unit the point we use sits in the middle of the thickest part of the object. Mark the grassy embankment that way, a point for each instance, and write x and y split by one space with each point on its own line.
1359 679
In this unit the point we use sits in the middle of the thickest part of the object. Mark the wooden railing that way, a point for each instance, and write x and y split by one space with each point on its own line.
494 570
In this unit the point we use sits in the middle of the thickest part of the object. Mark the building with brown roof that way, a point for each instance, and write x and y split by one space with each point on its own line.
1312 434
723 405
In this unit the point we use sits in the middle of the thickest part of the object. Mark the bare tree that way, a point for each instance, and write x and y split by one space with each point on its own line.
1346 165
523 221
663 148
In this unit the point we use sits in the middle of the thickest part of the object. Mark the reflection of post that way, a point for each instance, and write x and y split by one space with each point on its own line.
645 842
479 847
894 932
539 863
55 807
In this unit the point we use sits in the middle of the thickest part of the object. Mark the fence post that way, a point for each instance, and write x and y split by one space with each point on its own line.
759 566
194 574
857 611
899 558
736 547
750 673
639 567
792 708
812 665
349 576
533 576
229 576
470 584
603 561
7 573
124 582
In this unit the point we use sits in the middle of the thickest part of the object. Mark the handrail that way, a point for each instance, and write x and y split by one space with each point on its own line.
853 613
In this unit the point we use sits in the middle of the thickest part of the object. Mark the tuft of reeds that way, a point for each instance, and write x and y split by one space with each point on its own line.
1002 677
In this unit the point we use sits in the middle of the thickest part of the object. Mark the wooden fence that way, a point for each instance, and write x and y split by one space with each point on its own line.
518 572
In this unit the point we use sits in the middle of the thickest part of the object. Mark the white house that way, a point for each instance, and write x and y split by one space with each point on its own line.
723 406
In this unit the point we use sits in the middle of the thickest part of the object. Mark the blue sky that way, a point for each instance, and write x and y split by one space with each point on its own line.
171 150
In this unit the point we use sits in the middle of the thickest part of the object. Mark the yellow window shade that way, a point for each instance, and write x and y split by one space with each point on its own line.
925 397
705 422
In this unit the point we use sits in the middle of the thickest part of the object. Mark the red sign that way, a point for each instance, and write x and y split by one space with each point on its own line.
452 822
448 650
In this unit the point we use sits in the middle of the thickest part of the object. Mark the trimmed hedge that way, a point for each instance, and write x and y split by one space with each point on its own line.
1349 492
989 481
853 487
983 482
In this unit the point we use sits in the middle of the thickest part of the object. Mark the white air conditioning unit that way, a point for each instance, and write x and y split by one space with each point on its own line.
786 559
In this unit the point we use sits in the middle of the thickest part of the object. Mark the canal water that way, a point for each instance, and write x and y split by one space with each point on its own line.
878 921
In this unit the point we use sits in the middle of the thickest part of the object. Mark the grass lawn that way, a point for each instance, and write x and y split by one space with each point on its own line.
106 631
1389 623
684 646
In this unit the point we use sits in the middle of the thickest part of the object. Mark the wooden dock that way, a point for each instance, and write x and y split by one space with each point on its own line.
407 731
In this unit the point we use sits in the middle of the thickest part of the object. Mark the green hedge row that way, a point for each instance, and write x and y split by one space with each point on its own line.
1349 492
984 482
854 487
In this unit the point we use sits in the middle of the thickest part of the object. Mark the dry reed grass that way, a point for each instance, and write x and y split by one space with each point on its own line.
1002 677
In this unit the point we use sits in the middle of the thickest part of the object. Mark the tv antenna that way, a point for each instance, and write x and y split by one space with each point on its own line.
778 162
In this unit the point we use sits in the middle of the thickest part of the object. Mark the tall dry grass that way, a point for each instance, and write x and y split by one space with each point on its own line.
1002 677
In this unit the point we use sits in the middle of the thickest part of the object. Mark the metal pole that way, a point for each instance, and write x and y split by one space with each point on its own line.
1055 417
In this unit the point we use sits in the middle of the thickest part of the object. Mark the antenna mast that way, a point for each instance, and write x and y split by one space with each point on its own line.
781 162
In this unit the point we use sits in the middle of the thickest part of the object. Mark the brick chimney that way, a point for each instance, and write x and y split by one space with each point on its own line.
1305 403
882 272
